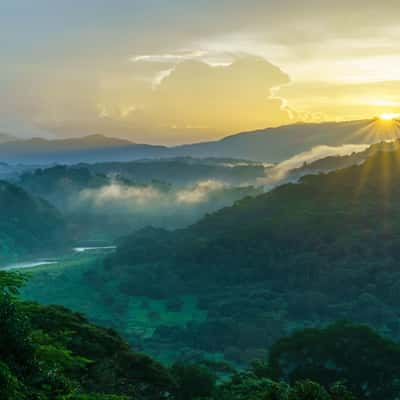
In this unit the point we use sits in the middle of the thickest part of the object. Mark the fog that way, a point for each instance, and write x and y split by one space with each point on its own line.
151 198
280 172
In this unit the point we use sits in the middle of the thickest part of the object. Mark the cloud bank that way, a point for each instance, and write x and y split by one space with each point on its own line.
280 172
149 199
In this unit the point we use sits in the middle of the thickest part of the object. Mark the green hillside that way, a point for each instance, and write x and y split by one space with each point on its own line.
27 224
301 255
52 353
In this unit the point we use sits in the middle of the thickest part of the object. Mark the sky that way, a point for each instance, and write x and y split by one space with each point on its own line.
182 71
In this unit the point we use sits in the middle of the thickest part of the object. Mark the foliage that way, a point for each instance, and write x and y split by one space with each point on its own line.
52 353
27 223
193 381
248 386
356 354
301 255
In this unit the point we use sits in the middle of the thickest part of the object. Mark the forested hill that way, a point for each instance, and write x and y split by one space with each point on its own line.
303 254
51 353
333 163
27 224
333 215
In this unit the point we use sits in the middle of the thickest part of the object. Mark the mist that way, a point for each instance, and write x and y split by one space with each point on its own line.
151 198
118 208
280 172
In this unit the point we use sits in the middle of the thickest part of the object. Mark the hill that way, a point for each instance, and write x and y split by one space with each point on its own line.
302 254
333 163
28 224
185 170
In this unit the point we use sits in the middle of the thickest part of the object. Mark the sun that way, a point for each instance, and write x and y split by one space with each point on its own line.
389 116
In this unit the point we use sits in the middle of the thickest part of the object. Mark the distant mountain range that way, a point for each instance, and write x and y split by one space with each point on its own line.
270 145
92 148
4 137
281 143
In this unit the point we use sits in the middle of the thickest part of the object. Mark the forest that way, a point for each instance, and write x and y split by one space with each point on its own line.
224 307
291 293
50 352
301 255
199 200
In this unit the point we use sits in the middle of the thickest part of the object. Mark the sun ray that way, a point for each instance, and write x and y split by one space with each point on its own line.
389 116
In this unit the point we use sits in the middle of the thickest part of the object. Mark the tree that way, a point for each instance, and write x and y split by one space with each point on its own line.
367 362
193 381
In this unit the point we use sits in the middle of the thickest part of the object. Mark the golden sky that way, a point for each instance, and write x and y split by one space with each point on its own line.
177 71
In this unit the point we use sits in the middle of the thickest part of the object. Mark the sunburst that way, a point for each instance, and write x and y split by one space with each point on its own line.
389 116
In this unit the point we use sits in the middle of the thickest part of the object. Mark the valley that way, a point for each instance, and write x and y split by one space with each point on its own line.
226 288
199 200
223 286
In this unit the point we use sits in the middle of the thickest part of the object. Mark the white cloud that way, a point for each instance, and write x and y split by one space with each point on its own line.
281 171
150 199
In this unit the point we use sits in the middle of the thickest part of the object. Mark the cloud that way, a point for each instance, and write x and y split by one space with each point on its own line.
66 65
185 100
148 199
200 192
280 172
173 58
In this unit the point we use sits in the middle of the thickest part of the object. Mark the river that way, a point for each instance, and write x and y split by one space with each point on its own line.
27 264
41 262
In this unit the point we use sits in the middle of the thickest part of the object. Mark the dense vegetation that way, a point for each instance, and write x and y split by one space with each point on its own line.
301 255
27 223
183 171
236 286
51 353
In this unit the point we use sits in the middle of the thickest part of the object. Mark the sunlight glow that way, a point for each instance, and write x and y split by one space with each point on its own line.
389 116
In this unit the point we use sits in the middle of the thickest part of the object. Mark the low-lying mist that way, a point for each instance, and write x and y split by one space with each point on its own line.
150 199
113 199
281 171
123 208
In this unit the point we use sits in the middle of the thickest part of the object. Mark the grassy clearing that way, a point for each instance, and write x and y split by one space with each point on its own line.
64 284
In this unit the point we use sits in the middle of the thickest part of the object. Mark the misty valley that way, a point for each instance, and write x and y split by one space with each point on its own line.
203 278
199 200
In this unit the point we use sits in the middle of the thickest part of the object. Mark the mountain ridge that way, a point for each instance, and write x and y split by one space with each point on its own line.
266 145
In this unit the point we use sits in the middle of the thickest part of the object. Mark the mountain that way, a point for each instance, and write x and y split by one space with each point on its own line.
300 255
93 148
28 224
267 145
278 144
4 137
38 144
